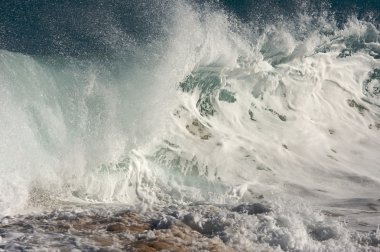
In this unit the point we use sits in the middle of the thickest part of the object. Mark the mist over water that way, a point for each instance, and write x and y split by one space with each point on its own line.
153 104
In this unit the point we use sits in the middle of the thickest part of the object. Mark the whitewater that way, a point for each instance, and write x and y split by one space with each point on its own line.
212 114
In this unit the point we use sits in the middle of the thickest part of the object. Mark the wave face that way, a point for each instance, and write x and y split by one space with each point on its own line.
198 103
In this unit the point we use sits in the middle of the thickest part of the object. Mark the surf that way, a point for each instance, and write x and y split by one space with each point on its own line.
212 110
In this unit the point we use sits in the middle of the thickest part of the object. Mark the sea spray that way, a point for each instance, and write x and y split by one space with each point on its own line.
207 114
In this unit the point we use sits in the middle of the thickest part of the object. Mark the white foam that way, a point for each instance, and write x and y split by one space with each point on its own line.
290 121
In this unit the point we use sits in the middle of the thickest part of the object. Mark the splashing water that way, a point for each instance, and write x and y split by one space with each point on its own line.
214 112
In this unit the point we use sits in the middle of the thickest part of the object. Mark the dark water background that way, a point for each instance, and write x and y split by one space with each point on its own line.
102 27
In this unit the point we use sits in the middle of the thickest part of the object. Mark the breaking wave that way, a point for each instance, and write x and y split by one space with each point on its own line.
214 110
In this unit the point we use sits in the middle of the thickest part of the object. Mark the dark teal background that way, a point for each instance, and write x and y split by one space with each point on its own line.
83 27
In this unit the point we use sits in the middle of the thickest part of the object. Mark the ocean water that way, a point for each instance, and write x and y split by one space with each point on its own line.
192 104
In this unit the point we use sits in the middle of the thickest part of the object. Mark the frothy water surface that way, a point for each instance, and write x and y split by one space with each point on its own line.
205 114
